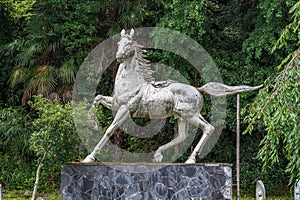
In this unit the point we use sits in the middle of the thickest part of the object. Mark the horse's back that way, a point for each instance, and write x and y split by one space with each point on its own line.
155 102
173 99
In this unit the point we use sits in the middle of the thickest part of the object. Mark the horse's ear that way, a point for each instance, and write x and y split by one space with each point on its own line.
132 33
122 32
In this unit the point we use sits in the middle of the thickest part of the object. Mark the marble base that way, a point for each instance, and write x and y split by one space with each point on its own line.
139 181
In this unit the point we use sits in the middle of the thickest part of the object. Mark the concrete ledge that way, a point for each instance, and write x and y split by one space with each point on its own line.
146 181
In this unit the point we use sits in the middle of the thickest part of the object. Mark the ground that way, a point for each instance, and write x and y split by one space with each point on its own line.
18 195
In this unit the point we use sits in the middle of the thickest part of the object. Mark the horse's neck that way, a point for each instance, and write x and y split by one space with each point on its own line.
129 76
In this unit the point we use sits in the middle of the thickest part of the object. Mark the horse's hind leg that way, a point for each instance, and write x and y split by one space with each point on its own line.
207 132
121 116
182 131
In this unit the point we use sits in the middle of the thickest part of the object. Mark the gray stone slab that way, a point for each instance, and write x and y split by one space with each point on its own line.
260 192
156 181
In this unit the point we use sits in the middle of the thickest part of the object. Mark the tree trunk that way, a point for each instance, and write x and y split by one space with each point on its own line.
37 178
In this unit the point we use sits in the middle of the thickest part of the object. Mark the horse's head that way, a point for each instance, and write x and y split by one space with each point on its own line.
125 46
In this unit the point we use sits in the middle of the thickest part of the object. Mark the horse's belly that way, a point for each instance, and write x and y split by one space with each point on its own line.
155 103
187 100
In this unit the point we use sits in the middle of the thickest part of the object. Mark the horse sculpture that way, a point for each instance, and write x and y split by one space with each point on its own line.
137 95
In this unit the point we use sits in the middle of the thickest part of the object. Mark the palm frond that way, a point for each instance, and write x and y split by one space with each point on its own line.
19 75
25 58
28 52
44 80
66 73
48 41
12 47
53 46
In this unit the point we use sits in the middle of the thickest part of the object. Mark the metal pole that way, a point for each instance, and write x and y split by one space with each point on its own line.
0 191
238 147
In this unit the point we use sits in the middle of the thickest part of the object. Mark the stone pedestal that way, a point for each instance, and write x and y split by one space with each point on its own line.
146 181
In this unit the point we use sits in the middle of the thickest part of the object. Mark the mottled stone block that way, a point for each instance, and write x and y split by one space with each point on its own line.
148 181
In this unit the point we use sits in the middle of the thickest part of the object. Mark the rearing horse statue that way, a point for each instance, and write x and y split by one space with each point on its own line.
137 95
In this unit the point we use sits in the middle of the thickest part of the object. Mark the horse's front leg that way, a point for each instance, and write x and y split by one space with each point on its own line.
121 116
107 101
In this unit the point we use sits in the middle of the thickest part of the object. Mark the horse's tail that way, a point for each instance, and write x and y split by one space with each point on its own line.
219 89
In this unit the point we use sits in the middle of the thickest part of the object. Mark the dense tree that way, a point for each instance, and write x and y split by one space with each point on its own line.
54 134
277 106
14 16
54 38
15 155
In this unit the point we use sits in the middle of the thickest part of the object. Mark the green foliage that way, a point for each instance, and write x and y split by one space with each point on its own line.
13 18
239 36
46 135
55 133
19 195
13 121
273 15
57 35
90 123
188 17
251 168
72 25
128 14
15 155
44 79
14 15
277 108
291 31
54 139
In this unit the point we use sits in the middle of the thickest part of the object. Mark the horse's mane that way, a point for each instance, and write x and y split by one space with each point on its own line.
144 64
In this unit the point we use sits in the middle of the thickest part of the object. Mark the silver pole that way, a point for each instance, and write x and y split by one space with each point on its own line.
0 191
238 147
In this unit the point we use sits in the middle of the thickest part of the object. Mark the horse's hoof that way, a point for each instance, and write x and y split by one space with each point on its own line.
190 161
98 98
89 159
158 157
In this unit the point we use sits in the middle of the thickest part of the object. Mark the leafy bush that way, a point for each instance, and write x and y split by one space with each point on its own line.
15 155
54 131
27 136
